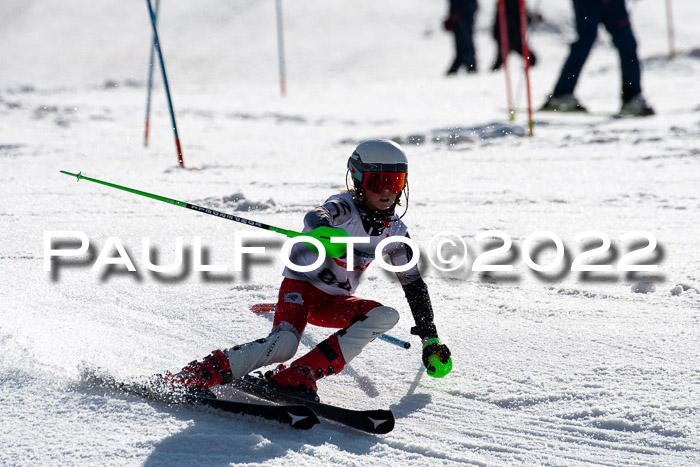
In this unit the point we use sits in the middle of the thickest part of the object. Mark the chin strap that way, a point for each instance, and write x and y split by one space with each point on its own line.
406 193
374 222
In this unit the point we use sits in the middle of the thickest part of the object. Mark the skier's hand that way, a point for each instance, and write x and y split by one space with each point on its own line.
436 357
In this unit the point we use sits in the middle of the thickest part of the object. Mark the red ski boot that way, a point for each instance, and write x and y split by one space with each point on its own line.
297 377
214 369
324 360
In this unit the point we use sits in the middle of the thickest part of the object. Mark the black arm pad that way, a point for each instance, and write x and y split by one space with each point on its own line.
317 217
333 212
421 308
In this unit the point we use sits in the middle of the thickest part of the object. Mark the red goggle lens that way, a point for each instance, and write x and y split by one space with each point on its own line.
376 182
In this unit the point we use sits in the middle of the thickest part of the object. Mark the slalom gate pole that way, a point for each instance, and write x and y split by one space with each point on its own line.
261 308
332 249
505 48
149 84
531 32
526 58
280 48
156 43
669 23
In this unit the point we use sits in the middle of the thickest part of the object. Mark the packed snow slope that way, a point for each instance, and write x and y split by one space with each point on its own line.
558 368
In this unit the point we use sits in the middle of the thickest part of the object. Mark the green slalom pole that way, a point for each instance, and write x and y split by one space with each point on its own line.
322 234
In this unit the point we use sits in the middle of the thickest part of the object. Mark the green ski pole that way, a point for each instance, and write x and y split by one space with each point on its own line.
322 234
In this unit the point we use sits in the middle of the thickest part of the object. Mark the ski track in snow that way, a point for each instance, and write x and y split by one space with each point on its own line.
550 369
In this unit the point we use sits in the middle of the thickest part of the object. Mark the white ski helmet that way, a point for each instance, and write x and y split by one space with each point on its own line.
377 164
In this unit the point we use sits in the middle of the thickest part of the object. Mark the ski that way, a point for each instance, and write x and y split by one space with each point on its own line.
296 415
370 421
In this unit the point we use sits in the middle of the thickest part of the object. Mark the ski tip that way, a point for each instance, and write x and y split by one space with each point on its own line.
383 422
263 308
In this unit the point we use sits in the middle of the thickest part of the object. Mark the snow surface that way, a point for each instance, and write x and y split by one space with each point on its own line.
556 370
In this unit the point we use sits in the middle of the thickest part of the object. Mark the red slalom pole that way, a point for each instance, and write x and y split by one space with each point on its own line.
526 58
505 47
156 43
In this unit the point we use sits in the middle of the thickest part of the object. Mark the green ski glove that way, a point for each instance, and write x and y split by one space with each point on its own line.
436 358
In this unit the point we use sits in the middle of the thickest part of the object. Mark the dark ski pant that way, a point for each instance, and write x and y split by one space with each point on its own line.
613 15
465 54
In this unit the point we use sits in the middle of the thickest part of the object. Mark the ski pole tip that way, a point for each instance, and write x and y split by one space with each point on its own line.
78 176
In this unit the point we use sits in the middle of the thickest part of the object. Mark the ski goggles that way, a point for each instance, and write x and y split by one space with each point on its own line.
377 182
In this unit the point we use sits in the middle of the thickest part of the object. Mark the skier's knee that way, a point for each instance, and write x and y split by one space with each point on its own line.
367 328
583 44
626 45
279 346
283 347
383 317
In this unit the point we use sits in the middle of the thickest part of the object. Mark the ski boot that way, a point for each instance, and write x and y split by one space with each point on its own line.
636 107
563 103
324 360
197 377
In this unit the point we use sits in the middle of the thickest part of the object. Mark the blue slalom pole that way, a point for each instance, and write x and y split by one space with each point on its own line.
149 86
156 43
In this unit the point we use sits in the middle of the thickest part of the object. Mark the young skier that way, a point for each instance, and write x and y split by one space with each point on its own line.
324 296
